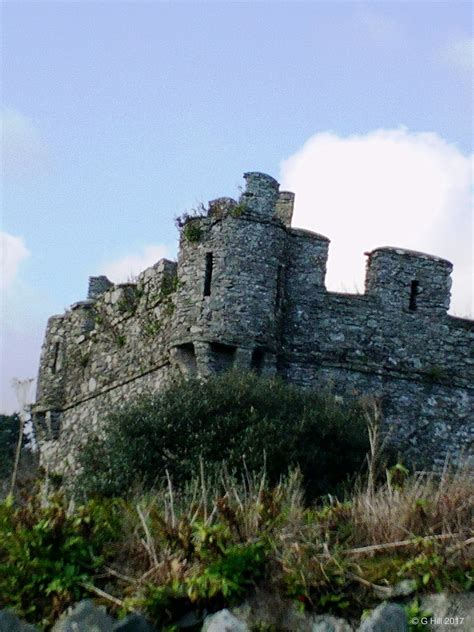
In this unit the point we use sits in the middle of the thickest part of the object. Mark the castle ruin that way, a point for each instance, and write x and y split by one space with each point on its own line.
248 292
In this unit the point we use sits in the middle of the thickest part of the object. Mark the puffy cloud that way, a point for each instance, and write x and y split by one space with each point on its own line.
23 151
459 53
125 268
13 252
20 329
385 188
20 345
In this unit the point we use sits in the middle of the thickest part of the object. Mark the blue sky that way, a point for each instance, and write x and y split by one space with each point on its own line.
117 116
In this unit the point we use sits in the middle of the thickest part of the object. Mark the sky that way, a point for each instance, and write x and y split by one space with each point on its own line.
118 116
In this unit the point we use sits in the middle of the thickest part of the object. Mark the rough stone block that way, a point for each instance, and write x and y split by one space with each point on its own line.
9 622
326 623
134 623
85 617
388 617
450 613
224 621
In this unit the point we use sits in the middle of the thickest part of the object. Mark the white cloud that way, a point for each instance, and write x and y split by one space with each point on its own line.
13 252
385 188
459 53
23 151
20 327
125 268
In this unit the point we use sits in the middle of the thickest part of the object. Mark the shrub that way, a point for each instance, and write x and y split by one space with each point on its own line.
192 231
46 554
235 418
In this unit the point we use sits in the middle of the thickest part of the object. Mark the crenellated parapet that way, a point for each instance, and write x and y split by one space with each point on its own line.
248 291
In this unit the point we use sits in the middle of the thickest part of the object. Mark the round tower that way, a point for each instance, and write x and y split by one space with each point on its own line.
231 283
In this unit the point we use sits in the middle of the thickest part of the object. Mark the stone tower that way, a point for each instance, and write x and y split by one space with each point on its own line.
231 271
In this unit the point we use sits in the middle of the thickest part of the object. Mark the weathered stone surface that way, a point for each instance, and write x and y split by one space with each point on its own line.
248 291
270 610
224 621
326 623
191 619
134 623
97 286
9 622
266 609
85 617
450 613
388 617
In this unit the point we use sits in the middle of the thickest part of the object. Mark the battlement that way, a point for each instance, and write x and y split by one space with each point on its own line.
248 291
409 280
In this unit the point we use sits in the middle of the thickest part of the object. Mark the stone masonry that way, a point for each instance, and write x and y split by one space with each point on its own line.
248 292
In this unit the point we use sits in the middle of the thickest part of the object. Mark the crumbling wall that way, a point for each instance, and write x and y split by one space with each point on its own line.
100 353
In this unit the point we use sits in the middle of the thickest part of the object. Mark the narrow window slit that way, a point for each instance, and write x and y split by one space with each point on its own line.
208 274
413 295
54 366
279 288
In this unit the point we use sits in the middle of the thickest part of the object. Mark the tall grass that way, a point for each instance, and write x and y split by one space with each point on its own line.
336 553
424 504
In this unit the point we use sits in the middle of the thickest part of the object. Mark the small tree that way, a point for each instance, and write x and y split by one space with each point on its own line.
22 389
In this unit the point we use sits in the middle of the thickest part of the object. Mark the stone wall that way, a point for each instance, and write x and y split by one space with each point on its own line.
248 291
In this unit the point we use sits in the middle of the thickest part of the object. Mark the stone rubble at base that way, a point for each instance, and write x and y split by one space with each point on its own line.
440 612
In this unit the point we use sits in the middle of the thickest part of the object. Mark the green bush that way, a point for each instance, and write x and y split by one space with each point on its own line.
235 418
46 554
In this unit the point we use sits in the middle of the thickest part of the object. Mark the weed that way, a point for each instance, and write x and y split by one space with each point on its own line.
415 615
198 212
192 231
238 210
151 326
436 373
121 340
84 360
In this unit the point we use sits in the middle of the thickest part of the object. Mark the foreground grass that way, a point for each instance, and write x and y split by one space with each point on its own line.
212 543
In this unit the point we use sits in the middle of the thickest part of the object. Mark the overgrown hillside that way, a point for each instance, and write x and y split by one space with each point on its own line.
177 515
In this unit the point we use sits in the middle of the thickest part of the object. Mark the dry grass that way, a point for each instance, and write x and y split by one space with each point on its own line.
422 504
425 504
161 528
